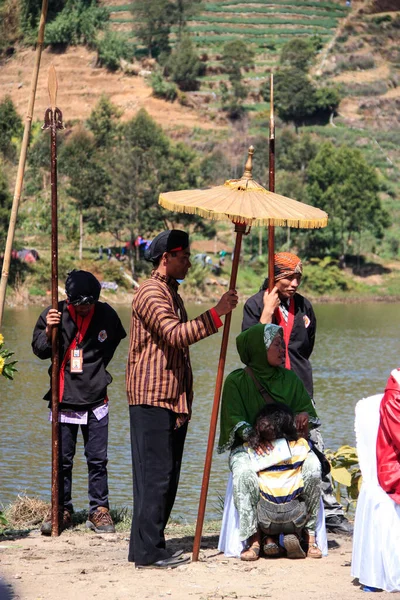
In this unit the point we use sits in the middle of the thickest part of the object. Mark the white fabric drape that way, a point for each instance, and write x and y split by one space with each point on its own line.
376 540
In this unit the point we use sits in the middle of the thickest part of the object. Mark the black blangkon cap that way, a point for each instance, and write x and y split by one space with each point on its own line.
82 287
166 241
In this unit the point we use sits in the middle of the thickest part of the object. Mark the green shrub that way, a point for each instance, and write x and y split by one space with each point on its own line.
163 88
356 62
324 276
113 271
111 48
10 127
77 23
373 88
36 291
382 19
184 65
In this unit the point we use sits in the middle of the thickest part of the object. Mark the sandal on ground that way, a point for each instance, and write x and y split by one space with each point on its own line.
292 546
313 551
270 549
251 554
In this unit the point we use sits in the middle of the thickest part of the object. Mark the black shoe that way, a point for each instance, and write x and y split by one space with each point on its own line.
339 524
166 563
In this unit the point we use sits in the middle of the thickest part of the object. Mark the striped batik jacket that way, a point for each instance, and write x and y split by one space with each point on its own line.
159 371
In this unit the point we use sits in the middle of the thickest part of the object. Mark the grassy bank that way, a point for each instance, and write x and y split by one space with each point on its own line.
370 279
26 514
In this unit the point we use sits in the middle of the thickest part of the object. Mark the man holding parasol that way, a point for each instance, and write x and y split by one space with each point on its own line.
159 389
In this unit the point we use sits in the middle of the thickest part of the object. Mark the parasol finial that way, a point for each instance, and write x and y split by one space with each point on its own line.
248 168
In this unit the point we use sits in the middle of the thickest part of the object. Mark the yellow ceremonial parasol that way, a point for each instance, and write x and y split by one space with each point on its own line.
244 202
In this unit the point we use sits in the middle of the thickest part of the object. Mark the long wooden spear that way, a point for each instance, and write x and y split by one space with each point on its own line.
53 121
271 186
22 161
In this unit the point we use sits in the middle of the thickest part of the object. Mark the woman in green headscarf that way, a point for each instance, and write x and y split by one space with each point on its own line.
261 349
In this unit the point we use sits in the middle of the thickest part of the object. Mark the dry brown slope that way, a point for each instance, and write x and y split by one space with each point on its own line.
80 86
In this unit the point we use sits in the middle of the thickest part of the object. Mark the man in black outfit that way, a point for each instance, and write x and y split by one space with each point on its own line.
285 307
89 333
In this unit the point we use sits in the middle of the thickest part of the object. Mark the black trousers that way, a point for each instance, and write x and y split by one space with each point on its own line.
157 449
95 439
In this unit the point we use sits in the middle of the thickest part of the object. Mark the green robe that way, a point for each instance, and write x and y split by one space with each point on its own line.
241 400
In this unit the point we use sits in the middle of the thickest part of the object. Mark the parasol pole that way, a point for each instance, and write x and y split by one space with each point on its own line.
53 121
271 186
22 161
240 229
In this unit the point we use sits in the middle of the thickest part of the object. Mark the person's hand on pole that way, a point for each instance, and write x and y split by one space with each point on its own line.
227 303
271 302
53 319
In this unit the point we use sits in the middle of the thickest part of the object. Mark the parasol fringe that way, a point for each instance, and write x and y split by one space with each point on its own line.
216 216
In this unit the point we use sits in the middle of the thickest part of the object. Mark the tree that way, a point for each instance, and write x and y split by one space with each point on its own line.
297 99
184 65
236 56
297 53
183 10
103 122
10 127
87 177
145 164
5 206
341 182
152 25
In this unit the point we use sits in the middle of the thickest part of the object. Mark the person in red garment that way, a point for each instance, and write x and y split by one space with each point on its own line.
388 441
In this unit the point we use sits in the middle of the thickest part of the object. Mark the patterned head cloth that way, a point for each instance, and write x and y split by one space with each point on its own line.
286 264
270 332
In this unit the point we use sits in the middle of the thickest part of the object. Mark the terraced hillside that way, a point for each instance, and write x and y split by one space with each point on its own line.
264 25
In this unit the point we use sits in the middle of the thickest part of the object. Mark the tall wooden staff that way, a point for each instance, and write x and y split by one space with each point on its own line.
21 164
240 230
53 121
271 186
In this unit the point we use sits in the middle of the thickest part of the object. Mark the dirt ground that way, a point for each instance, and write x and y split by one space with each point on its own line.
82 565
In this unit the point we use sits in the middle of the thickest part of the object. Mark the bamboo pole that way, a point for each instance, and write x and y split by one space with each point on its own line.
271 185
240 230
53 121
22 161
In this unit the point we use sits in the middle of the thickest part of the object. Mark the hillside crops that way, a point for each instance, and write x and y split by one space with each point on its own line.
263 24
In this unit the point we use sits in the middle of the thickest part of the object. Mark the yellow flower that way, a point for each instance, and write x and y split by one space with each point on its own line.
1 339
2 361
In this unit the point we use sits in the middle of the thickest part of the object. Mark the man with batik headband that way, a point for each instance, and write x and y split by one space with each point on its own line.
294 313
159 389
285 307
89 333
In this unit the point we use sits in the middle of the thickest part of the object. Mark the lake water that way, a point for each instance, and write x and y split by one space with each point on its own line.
357 346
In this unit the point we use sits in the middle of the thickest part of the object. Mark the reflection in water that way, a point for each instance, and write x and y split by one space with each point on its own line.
357 346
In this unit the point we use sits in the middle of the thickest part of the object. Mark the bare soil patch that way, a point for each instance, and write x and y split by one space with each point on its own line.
83 565
80 86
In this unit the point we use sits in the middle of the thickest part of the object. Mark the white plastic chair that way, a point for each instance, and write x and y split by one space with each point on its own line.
376 539
229 542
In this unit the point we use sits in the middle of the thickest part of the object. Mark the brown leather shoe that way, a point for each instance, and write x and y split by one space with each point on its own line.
66 522
100 521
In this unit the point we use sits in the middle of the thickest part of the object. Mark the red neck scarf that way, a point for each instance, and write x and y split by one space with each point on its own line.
82 324
287 328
